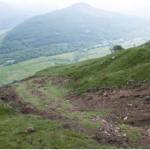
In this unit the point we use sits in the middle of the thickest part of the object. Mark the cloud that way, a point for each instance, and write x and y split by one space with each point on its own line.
135 7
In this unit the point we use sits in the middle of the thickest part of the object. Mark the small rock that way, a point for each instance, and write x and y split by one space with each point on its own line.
144 81
147 98
148 132
104 121
125 118
30 130
117 128
105 94
130 105
113 58
124 134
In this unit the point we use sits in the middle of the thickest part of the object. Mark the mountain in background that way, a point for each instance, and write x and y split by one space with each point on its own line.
73 28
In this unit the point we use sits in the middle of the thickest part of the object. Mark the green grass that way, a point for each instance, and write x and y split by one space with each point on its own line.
134 134
50 94
48 134
5 110
131 64
53 97
19 71
22 70
85 117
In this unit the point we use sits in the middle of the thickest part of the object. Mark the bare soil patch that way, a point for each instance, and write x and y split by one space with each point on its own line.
126 104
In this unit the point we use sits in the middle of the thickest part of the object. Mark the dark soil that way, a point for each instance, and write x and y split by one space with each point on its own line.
128 105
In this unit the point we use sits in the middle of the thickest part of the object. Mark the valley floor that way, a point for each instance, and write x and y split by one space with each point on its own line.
49 115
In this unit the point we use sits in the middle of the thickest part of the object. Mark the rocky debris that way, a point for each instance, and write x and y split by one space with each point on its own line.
125 118
30 130
134 83
130 105
148 132
125 135
127 104
123 94
109 133
105 94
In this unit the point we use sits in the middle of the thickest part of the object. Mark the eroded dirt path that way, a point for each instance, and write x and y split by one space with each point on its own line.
117 113
128 106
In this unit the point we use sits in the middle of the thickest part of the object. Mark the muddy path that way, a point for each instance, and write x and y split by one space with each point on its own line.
128 105
9 95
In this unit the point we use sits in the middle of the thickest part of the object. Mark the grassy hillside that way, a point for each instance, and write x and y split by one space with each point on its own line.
49 102
28 68
2 35
111 71
48 133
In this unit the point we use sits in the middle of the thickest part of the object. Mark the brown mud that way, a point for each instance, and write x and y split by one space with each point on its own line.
127 105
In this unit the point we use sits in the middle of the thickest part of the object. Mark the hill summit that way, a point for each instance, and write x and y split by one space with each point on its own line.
73 28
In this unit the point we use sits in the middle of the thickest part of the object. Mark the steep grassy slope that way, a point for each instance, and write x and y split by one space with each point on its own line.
111 71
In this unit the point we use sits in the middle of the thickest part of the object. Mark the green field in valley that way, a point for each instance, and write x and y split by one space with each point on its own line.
28 68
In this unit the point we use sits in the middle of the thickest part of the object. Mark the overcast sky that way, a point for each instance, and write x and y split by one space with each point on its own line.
135 7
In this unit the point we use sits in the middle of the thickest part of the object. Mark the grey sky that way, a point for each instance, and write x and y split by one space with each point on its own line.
135 7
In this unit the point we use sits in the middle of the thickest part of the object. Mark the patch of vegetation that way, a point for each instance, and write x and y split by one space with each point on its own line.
132 133
5 110
42 97
116 48
47 133
51 97
12 73
114 70
89 119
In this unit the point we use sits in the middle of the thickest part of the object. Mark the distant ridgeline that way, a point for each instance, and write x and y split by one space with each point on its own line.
70 29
